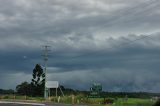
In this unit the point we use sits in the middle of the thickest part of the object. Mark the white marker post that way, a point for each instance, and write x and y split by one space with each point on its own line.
73 100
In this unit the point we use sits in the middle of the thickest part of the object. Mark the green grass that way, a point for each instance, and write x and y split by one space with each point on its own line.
129 102
18 97
81 99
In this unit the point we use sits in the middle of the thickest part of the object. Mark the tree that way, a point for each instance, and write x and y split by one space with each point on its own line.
38 81
24 88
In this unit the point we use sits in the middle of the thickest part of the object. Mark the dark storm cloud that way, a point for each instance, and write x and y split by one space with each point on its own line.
90 42
129 67
124 51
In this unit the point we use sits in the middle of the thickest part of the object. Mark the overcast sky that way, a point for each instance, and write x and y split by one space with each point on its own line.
113 42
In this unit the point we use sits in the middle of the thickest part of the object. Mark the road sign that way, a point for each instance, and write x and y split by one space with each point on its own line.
95 90
52 84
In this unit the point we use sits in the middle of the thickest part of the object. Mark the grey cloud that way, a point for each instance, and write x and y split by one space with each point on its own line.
44 18
112 80
89 40
9 81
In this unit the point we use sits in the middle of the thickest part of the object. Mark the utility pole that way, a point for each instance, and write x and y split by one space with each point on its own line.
45 58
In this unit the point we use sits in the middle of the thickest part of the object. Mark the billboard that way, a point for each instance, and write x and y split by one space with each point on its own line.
52 84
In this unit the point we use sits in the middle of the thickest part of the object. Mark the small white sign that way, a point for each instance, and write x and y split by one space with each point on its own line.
52 84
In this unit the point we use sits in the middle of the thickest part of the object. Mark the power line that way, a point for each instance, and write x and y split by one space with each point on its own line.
136 14
118 46
151 3
130 12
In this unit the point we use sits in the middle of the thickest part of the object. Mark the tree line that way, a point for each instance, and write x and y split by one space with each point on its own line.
36 88
3 91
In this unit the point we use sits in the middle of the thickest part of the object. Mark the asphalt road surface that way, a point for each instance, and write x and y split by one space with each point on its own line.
35 105
27 105
14 105
4 103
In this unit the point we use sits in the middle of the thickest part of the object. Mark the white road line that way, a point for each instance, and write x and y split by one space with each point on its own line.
21 103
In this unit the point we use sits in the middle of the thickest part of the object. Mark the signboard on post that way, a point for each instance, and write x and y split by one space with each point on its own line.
95 90
52 84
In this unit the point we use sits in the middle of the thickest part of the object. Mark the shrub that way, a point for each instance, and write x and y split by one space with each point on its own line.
157 103
108 101
6 97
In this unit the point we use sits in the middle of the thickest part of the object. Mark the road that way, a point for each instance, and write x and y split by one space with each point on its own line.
2 104
6 103
28 105
34 105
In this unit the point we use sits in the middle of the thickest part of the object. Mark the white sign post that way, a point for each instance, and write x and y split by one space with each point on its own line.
52 84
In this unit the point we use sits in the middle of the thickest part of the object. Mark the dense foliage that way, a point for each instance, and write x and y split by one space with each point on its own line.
36 87
24 88
10 91
38 81
157 103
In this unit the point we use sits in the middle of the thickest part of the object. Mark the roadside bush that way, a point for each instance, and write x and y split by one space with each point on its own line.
108 101
157 103
6 97
1 97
